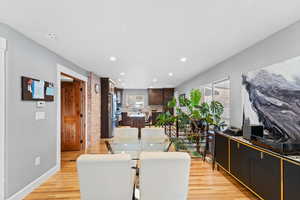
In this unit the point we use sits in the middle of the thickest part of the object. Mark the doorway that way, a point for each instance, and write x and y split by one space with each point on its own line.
71 112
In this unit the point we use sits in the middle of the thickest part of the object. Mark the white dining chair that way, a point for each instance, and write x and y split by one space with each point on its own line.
105 177
154 134
126 133
164 175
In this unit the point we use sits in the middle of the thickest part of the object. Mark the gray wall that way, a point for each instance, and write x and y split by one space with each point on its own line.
27 138
135 92
278 47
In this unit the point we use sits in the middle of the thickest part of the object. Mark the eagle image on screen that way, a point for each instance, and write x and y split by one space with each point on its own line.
271 97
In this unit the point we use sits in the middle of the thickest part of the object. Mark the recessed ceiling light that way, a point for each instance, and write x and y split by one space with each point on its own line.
122 73
151 86
170 74
112 58
120 80
183 59
155 80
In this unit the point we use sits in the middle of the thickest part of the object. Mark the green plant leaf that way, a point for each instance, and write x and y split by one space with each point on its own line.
204 109
216 108
172 103
196 115
195 97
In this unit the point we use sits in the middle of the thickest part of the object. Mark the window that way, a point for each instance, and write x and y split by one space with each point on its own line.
222 94
207 91
135 101
218 91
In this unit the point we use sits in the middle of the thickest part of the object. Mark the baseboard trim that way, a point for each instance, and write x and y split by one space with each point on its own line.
33 185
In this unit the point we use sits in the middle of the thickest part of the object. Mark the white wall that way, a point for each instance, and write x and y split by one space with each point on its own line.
279 47
2 113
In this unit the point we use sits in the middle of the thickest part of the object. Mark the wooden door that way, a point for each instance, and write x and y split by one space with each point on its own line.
71 116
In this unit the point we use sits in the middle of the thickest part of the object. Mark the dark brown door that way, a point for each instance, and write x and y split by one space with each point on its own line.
71 116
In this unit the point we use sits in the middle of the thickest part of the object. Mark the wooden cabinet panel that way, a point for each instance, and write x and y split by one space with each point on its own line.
258 170
265 175
240 161
155 96
126 121
291 181
221 151
159 96
168 96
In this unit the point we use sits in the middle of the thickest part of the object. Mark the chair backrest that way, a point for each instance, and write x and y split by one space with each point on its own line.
126 133
105 177
164 175
159 132
155 134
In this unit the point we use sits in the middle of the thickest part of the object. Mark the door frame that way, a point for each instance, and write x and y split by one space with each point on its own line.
62 69
3 52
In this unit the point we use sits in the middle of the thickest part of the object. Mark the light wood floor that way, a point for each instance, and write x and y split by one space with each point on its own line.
205 184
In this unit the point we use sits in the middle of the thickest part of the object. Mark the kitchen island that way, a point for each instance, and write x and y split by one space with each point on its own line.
137 121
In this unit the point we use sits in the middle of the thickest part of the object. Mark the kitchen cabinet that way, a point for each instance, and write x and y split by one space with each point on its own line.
291 175
257 169
168 96
160 96
240 161
155 96
265 175
221 151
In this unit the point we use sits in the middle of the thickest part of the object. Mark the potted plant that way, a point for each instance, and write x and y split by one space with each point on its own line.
197 115
165 120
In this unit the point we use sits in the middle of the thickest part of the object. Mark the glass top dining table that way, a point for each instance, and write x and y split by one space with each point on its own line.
135 147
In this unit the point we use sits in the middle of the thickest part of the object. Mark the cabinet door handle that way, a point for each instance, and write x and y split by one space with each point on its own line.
261 155
238 145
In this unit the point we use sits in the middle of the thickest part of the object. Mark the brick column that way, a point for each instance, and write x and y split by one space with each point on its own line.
94 112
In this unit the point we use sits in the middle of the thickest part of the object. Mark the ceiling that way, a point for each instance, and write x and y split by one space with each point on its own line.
148 38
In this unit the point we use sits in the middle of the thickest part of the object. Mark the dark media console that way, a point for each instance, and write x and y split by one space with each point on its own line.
255 134
267 174
281 148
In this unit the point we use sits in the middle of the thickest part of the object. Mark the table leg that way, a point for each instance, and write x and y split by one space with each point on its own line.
139 133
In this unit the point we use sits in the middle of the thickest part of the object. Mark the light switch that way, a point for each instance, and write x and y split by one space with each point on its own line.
40 115
37 161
